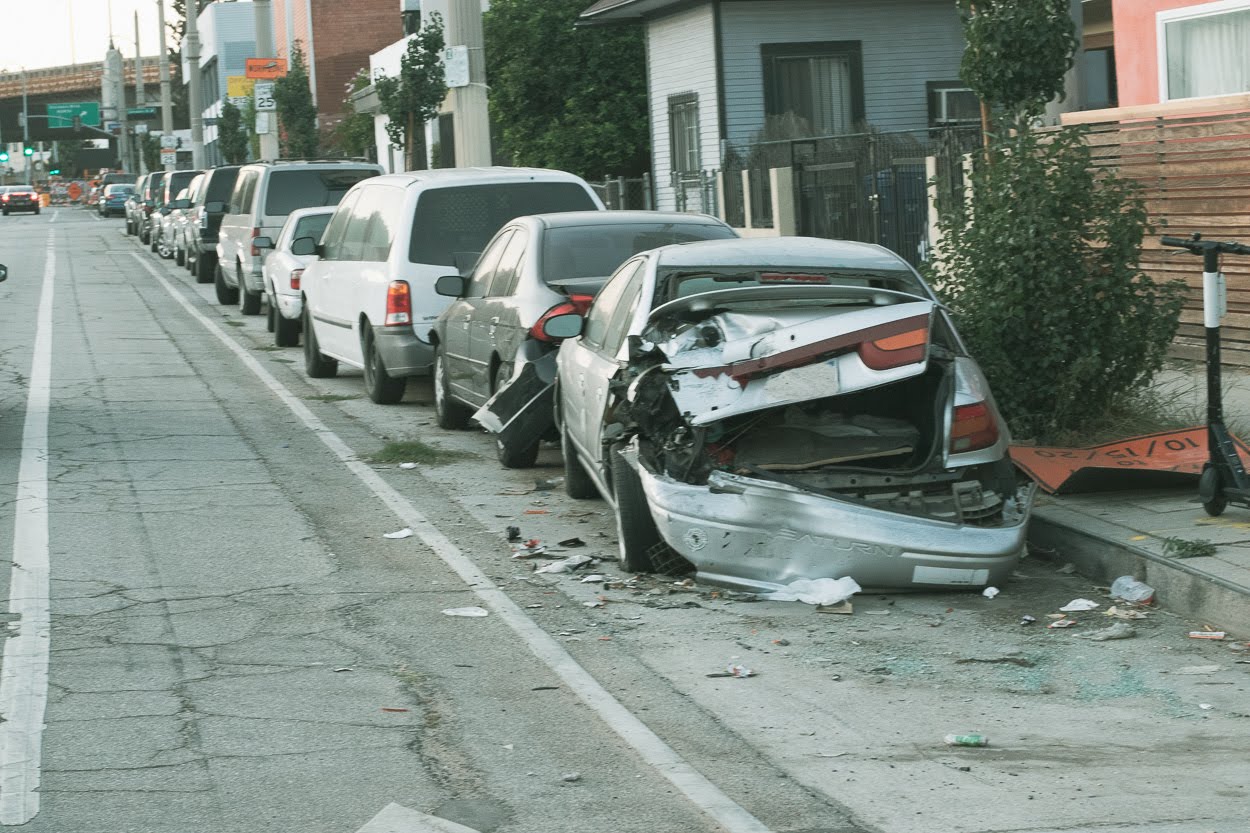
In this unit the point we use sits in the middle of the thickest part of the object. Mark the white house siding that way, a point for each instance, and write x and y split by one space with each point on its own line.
905 44
681 58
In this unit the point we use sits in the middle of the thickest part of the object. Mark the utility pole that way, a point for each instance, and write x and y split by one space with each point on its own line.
192 48
25 130
468 103
167 105
141 95
264 49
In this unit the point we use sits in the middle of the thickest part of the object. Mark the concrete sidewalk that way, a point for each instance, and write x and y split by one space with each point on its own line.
1110 534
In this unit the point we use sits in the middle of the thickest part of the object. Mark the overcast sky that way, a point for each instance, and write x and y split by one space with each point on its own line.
50 33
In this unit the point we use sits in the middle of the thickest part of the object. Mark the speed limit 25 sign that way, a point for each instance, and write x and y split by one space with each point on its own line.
264 97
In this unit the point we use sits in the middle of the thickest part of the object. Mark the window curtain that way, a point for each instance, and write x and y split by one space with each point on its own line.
817 89
1209 55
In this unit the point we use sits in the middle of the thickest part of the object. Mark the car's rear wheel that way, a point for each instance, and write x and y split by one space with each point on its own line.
448 413
577 483
382 388
204 268
285 330
316 365
635 527
180 257
225 294
154 240
249 301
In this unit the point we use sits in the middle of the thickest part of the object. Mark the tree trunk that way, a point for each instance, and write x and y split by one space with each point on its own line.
410 143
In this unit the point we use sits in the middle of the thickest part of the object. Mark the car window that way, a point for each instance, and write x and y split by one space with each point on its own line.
332 239
241 196
623 315
220 184
288 190
594 251
487 264
312 226
154 186
601 310
460 219
352 245
176 181
383 207
509 270
193 191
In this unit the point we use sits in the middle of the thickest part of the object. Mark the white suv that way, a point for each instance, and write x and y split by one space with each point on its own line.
265 193
370 301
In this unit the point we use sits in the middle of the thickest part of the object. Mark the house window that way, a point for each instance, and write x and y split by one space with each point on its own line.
1098 82
1202 50
819 83
683 132
951 102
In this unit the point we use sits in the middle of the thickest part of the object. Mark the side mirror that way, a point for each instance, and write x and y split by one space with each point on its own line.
452 286
4 272
303 246
215 207
262 242
568 325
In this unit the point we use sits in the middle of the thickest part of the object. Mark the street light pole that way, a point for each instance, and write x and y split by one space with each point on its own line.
264 49
167 105
192 43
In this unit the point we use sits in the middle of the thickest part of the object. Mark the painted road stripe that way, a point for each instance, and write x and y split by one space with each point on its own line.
24 677
693 784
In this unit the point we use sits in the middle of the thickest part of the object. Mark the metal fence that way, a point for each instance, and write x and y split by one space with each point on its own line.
622 193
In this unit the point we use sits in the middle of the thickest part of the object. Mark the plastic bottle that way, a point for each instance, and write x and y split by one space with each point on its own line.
967 740
1131 590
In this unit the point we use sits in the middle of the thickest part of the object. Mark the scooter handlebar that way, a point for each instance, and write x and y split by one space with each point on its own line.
1199 246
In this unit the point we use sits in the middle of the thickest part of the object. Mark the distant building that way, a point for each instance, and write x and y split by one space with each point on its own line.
228 39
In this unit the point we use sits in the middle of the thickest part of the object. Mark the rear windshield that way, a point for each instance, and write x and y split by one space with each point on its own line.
692 280
117 179
119 189
462 220
153 185
289 190
179 180
220 184
595 251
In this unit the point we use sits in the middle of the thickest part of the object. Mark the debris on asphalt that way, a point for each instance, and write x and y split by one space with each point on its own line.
528 549
1118 612
1120 630
1205 706
843 609
1207 634
407 465
567 565
536 512
514 533
595 603
403 533
548 485
1020 661
1079 605
471 612
966 740
1131 590
1062 623
572 543
1067 569
734 671
341 670
393 709
594 578
1026 619
990 592
830 754
1197 669
820 591
572 777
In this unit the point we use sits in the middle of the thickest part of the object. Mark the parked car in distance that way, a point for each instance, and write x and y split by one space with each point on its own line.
180 218
134 206
151 201
369 298
172 217
535 268
283 271
263 196
19 198
113 199
171 187
787 408
208 206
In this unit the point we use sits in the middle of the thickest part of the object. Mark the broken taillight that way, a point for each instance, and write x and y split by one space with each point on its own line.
895 350
398 304
575 305
973 427
295 276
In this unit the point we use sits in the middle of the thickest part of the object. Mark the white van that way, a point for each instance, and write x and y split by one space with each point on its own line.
369 300
264 194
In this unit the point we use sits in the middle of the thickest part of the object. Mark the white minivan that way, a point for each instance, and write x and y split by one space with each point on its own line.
369 298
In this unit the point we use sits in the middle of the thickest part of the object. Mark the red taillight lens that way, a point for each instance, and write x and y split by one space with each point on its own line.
255 234
5 197
907 347
575 305
295 276
398 304
973 427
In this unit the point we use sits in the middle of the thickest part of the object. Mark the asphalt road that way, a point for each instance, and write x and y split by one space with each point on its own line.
207 630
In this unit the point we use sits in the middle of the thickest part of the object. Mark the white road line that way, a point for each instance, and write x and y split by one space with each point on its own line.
24 677
693 784
55 215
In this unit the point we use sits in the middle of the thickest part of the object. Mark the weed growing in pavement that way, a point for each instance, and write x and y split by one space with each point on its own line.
331 397
415 451
1181 548
230 323
267 348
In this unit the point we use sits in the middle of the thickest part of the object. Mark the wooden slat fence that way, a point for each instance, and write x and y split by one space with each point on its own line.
1192 161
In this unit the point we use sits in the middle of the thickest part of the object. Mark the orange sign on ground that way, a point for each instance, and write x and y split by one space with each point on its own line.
265 68
74 191
1169 457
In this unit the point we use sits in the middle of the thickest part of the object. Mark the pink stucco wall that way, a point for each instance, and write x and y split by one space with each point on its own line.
1137 47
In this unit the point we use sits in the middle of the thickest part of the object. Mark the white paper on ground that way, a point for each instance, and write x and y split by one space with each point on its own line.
819 591
1077 605
472 612
403 533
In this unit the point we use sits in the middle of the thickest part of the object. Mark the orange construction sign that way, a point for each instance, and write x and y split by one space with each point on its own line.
1166 458
265 68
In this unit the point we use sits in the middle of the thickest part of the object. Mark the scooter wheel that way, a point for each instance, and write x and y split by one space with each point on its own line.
1211 490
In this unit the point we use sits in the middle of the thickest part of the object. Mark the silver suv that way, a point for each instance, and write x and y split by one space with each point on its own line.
265 193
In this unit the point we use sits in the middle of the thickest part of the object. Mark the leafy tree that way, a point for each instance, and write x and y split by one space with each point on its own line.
354 133
297 113
1040 266
231 136
572 99
412 98
150 146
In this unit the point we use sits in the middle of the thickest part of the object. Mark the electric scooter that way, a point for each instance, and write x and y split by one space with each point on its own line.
1224 479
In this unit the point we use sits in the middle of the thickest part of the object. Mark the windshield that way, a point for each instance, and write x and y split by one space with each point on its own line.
289 190
593 251
692 280
462 220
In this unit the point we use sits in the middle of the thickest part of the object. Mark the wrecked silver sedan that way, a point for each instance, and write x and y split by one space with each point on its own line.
778 409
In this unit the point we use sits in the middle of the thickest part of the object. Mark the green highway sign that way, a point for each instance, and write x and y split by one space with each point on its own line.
62 115
141 113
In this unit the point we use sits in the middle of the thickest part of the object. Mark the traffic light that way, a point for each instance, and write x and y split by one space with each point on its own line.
54 172
28 151
4 156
